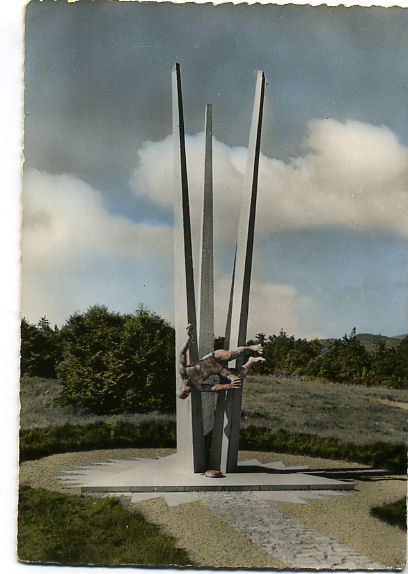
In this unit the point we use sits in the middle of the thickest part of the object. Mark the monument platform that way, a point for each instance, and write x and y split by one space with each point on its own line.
165 474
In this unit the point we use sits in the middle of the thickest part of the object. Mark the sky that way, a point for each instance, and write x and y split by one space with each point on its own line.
331 232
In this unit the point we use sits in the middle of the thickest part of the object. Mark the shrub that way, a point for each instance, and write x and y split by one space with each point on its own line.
390 456
394 513
118 363
343 360
36 443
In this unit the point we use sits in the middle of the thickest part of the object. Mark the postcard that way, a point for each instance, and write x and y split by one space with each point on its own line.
214 338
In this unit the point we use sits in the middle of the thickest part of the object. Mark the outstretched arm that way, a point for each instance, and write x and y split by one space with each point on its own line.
246 369
220 387
183 352
226 386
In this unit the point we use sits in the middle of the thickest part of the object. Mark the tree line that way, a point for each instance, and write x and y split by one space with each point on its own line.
343 360
113 363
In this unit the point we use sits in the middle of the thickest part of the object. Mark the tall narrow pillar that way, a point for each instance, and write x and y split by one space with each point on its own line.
190 446
206 324
219 443
242 283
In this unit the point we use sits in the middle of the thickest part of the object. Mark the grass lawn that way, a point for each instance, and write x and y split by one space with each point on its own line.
38 409
350 413
59 528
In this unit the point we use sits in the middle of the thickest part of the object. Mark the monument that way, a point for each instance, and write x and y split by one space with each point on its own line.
208 423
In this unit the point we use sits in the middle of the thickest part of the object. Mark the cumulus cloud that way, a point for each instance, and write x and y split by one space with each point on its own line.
351 174
153 179
76 253
72 246
64 217
272 307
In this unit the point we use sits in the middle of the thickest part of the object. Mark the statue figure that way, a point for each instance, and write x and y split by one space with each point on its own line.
215 363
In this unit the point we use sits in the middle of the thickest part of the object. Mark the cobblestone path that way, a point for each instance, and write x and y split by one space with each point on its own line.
285 537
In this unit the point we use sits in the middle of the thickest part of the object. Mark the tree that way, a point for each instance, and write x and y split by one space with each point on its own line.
118 363
347 360
40 349
389 366
261 338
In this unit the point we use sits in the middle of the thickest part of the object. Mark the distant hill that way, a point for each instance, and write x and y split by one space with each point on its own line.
369 341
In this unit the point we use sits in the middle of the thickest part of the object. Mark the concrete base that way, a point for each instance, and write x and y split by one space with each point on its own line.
167 475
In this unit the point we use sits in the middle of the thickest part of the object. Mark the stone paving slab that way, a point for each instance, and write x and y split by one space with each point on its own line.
167 475
176 498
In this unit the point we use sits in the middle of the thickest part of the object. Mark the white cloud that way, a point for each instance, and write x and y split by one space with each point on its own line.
351 174
153 176
71 246
76 253
272 308
64 217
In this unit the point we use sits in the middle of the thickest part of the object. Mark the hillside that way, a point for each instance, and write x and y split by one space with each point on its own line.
369 341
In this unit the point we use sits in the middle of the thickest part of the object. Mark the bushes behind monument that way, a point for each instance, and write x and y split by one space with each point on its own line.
39 442
116 363
345 360
108 362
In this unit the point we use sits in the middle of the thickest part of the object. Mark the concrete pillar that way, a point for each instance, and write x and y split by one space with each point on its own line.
190 446
219 440
229 314
240 299
206 324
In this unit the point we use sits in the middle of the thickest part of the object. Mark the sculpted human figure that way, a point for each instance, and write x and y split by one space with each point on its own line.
215 363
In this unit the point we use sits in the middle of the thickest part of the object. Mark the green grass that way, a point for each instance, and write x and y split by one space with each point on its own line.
36 443
59 528
349 413
380 455
38 409
394 513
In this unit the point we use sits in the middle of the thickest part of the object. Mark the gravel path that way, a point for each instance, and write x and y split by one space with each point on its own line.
224 534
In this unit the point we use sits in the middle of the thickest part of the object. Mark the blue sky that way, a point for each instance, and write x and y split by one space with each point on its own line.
331 237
